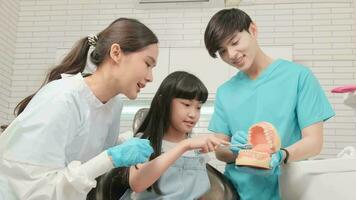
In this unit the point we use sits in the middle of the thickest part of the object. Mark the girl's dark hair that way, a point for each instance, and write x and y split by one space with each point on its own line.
178 84
130 34
111 185
222 26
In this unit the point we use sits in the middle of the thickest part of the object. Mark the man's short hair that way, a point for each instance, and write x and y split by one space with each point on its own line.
223 25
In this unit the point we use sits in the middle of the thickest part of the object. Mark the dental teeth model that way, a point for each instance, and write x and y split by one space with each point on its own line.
265 141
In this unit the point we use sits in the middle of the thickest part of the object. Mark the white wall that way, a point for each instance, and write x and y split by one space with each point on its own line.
8 14
321 32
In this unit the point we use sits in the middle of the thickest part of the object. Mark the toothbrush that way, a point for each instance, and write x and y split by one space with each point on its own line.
228 146
242 146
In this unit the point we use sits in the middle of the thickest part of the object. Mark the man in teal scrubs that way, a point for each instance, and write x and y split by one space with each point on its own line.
280 92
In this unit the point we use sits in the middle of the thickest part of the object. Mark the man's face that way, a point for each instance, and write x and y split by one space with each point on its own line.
240 49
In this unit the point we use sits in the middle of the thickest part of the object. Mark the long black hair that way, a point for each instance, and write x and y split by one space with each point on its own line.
113 184
130 34
178 84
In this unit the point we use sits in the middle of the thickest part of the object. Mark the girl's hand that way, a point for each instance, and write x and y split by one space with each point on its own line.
206 143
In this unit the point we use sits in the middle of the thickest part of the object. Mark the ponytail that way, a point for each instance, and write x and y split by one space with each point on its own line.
74 62
131 34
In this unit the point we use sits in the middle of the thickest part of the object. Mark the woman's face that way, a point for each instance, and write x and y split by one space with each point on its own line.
239 50
137 70
185 113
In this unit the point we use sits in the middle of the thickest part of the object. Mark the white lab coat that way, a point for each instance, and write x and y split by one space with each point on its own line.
42 151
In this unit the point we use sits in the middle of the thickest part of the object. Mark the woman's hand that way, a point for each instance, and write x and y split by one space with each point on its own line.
131 152
205 143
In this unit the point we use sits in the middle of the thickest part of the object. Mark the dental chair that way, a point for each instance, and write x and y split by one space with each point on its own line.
112 185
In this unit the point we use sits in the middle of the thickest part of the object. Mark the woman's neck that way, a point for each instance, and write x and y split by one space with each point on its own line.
102 86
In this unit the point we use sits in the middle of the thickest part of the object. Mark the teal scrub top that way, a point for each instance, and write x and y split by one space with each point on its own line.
287 95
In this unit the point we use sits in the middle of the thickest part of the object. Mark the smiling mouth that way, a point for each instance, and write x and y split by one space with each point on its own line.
239 61
140 85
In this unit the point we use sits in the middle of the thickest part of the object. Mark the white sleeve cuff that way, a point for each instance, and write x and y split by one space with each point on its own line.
82 176
97 165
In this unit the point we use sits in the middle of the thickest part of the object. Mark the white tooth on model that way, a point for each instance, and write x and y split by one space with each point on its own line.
257 155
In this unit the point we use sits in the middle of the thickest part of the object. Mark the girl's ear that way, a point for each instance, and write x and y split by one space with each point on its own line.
115 52
253 29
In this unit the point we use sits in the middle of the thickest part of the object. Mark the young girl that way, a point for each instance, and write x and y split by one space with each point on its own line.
177 169
65 134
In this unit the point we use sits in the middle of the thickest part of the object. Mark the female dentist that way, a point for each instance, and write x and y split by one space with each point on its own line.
65 134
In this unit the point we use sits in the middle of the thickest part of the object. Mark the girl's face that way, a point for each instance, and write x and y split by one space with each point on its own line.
239 51
185 113
137 71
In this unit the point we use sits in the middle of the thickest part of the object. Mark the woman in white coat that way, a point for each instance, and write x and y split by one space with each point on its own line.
65 134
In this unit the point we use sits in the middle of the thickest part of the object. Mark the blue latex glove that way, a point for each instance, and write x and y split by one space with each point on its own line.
275 163
131 152
239 138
